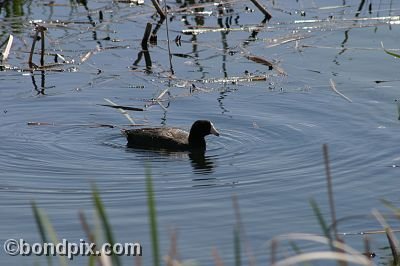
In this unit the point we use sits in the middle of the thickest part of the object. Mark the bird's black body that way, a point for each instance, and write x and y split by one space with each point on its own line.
168 138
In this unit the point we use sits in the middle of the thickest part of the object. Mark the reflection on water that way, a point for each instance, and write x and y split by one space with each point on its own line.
13 11
40 90
200 162
12 8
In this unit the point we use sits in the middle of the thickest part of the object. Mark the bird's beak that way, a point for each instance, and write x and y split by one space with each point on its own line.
213 130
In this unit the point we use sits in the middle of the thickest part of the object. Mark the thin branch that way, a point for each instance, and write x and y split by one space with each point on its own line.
8 48
333 86
125 113
32 49
158 8
146 36
266 13
330 190
168 42
42 29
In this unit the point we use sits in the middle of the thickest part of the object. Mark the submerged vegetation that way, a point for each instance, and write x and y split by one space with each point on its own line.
40 53
54 57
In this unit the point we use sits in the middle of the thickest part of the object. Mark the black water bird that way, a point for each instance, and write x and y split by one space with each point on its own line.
173 139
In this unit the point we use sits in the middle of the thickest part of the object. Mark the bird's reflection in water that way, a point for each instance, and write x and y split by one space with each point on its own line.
202 166
201 163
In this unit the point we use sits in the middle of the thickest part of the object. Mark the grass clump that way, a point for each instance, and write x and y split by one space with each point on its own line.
337 250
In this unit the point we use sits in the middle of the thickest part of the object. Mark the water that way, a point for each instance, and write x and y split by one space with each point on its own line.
269 153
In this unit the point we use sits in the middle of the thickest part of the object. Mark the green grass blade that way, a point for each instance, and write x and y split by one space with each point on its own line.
47 232
297 250
53 238
392 54
92 261
236 235
320 218
152 217
104 221
39 222
390 205
388 52
38 219
90 236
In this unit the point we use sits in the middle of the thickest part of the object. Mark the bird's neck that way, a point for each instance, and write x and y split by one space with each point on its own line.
197 142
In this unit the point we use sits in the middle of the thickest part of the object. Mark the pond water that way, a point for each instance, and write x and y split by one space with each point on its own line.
269 153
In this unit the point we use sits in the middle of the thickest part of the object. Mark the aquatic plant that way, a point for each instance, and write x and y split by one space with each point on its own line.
339 251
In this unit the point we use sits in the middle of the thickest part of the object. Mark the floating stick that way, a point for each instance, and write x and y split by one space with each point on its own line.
121 110
162 94
215 29
265 62
153 37
268 15
42 29
38 29
158 8
32 50
333 86
8 48
86 56
95 125
169 45
123 107
146 36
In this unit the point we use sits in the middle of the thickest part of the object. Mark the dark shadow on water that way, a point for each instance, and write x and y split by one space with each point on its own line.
147 60
84 3
153 37
200 162
40 90
343 46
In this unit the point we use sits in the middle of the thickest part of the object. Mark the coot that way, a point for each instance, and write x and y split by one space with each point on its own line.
171 138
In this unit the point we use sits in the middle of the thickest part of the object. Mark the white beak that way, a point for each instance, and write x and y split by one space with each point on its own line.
213 130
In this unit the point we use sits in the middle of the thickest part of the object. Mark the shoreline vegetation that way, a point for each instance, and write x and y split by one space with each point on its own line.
335 247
